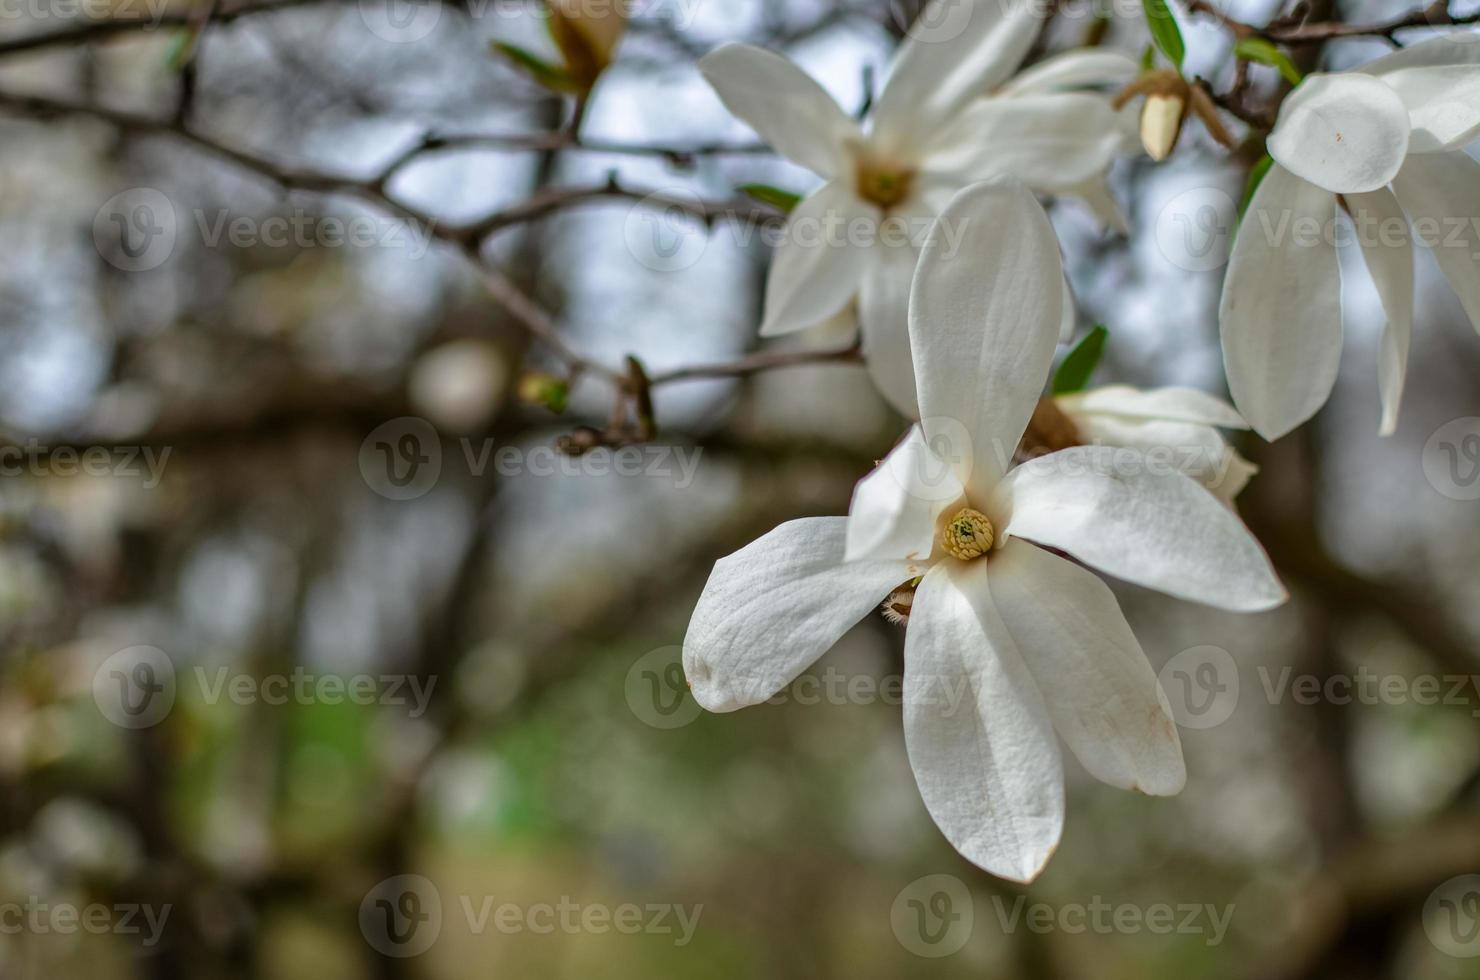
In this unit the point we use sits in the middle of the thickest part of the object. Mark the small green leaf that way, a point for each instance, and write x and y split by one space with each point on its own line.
1265 53
1256 177
783 201
1074 373
552 77
1164 30
538 388
1148 58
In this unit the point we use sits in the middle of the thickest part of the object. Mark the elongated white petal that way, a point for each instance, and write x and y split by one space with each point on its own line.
1069 319
1081 68
1166 404
1099 688
1346 133
892 517
1050 142
1281 310
773 607
1192 448
784 105
956 50
817 269
985 313
1451 48
978 734
1096 194
1441 193
1443 105
1139 520
883 313
1387 246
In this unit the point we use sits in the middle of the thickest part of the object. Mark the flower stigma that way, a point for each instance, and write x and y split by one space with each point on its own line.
883 184
967 535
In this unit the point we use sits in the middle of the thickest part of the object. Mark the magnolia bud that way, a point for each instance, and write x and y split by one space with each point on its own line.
1161 123
586 34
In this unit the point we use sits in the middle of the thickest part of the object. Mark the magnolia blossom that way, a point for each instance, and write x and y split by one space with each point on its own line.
1036 640
929 134
1178 427
1387 143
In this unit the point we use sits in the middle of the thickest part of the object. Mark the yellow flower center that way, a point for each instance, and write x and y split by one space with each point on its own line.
883 184
967 535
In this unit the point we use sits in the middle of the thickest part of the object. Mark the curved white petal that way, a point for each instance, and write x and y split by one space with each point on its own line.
883 314
1443 105
1165 404
1192 448
1441 193
985 313
1102 204
1387 247
1346 133
773 607
1099 688
1050 142
978 734
1140 520
956 50
892 516
784 105
1069 319
1281 309
1451 48
817 268
1081 68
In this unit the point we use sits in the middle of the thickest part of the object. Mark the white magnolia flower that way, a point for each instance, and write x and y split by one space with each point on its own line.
1177 427
929 134
1387 141
1034 641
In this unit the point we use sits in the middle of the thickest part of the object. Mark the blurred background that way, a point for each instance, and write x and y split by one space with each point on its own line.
319 661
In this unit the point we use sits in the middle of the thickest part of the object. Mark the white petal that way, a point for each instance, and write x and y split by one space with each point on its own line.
1167 404
1139 520
1451 48
1049 142
1099 688
1387 246
953 52
1346 133
1281 310
773 607
985 313
1102 204
1069 320
1441 193
1081 68
817 269
784 105
1443 105
1196 450
894 508
978 734
883 313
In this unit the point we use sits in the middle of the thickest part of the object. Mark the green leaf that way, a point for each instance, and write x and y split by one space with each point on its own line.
783 201
1265 53
552 77
1148 58
1074 373
1164 30
1256 177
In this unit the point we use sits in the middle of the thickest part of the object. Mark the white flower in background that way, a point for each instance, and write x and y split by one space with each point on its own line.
929 134
1387 142
1034 641
1180 426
